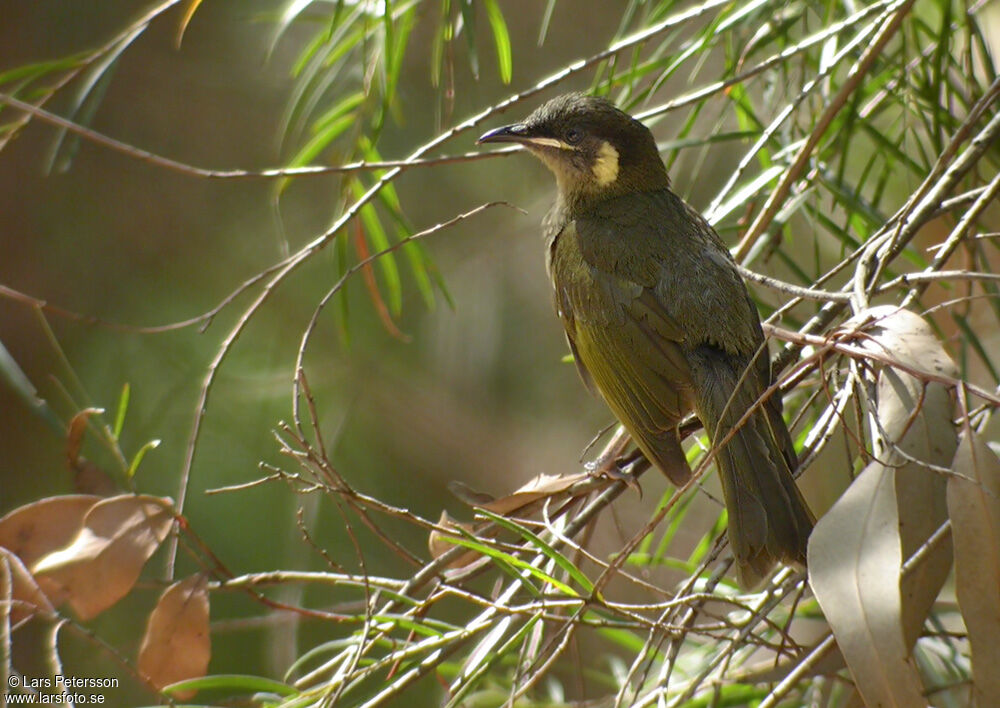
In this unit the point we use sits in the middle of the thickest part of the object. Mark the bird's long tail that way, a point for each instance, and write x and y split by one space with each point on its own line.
769 520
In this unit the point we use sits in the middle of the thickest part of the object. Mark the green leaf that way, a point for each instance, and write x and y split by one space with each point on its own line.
17 380
472 672
344 107
134 466
511 564
551 553
120 413
88 96
233 682
468 10
34 71
501 39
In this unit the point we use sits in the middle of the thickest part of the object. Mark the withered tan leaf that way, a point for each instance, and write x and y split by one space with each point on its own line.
438 544
854 569
34 530
916 417
104 560
19 589
177 643
535 489
74 434
890 512
974 507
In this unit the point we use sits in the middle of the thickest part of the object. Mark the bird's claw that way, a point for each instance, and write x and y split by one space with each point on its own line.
610 469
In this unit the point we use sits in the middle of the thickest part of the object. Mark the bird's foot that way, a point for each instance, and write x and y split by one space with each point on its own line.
610 469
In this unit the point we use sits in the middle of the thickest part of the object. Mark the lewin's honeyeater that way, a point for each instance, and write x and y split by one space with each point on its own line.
660 321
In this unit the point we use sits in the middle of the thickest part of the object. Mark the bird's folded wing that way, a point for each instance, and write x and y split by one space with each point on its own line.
624 340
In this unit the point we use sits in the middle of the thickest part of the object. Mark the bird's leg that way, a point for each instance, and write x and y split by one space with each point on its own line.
606 464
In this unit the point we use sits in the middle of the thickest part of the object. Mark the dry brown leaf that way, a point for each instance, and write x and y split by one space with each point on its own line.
19 590
895 505
466 494
34 530
917 416
88 478
74 434
104 560
177 644
438 544
540 487
854 567
974 507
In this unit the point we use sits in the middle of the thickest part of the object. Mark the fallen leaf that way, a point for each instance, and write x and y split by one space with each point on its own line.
104 560
18 589
974 507
177 644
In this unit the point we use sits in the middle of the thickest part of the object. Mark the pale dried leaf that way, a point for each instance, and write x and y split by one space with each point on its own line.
438 543
974 507
915 421
854 566
468 495
34 530
177 644
19 589
540 487
103 562
74 434
888 514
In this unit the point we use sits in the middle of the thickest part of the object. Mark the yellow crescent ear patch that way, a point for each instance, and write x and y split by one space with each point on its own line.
605 168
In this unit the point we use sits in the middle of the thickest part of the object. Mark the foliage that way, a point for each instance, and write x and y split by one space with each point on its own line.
856 149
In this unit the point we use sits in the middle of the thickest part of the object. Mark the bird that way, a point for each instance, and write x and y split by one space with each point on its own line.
660 322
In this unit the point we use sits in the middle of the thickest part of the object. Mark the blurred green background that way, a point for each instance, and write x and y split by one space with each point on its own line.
475 391
478 393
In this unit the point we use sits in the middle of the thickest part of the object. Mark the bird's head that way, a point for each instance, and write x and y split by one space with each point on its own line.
595 150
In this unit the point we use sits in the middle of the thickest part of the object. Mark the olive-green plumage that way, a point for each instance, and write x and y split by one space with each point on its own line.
660 321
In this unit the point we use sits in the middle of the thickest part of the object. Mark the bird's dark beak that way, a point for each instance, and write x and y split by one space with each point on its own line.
517 133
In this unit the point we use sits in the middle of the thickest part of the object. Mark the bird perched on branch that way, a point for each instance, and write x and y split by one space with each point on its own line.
660 321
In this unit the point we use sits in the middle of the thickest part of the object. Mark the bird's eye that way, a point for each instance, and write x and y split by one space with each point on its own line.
573 136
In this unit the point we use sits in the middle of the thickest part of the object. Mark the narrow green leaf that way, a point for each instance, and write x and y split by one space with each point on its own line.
512 565
343 107
134 466
471 674
745 193
319 142
120 413
233 682
468 10
18 381
92 86
558 558
501 39
34 71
